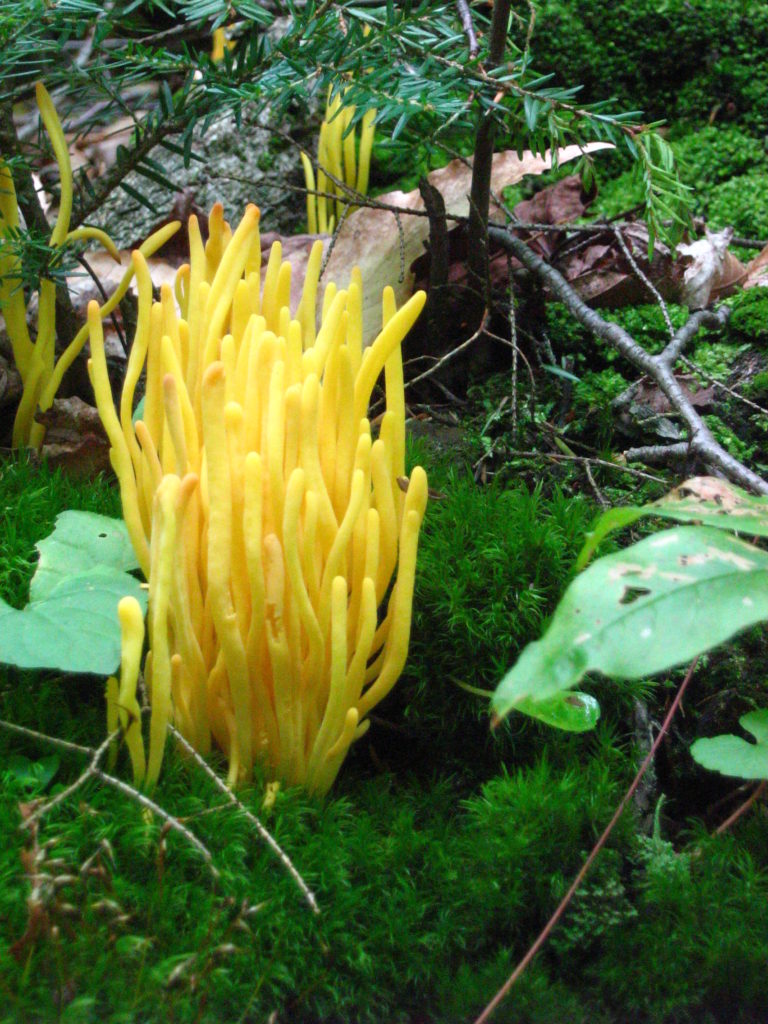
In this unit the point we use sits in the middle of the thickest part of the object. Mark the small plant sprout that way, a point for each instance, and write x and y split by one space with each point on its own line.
41 373
277 533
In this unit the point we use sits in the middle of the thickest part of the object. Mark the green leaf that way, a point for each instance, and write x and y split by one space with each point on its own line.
573 712
74 628
643 610
81 541
731 755
703 499
71 623
32 775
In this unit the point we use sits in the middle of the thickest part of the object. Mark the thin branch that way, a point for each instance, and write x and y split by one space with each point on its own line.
564 902
170 821
685 335
658 368
465 16
659 454
448 355
112 316
93 771
742 808
54 741
588 460
723 387
263 832
644 278
97 756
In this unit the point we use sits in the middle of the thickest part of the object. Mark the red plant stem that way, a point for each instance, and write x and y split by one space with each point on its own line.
756 794
549 926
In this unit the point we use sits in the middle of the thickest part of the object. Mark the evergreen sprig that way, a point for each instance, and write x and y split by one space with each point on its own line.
409 61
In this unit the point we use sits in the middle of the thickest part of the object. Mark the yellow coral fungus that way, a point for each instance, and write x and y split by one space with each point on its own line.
279 546
339 155
41 373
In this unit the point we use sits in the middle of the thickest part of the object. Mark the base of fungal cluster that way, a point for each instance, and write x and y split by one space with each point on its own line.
276 528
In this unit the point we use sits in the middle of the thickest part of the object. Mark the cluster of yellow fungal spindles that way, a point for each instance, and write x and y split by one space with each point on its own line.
346 158
268 518
41 371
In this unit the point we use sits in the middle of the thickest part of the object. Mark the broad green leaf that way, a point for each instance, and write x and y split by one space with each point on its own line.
731 755
80 541
654 605
703 499
74 628
573 711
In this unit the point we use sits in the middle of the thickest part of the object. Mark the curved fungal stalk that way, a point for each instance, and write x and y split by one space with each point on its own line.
263 508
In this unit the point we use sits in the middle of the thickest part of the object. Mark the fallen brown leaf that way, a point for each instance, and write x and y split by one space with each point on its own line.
371 238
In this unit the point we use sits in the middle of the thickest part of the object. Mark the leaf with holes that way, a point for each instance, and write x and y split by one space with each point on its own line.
731 755
648 608
71 623
703 499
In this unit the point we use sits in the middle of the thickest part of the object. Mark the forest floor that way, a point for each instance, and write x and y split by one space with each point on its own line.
445 846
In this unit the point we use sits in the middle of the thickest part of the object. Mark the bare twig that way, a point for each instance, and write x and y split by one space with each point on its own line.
449 355
263 832
93 771
97 756
757 792
586 460
564 902
465 16
95 278
644 278
659 368
513 339
723 387
659 454
54 741
168 819
595 489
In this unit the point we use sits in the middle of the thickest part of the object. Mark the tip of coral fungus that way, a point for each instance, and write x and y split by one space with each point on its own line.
252 210
213 374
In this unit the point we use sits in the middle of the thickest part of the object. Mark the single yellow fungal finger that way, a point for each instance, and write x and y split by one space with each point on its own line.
391 335
96 235
164 538
132 644
367 133
309 181
61 151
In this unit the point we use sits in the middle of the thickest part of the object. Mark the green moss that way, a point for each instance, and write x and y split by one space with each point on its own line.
716 358
433 875
749 314
706 56
741 203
